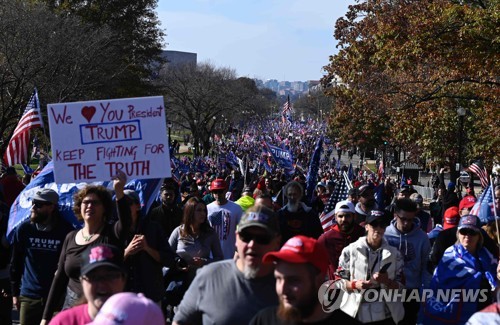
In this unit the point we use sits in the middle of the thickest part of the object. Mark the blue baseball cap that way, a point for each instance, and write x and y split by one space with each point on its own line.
470 221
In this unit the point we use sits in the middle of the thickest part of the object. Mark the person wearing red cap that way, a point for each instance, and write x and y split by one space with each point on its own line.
223 216
451 218
300 268
466 204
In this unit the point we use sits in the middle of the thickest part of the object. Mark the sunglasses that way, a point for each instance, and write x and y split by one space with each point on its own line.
467 232
218 191
40 204
261 239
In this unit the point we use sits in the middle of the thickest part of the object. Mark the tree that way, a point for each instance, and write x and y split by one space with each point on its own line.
138 37
406 66
64 58
197 96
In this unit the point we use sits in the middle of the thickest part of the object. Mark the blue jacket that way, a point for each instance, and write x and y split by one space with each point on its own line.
414 247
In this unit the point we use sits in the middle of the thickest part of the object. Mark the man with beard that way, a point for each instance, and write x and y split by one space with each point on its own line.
340 235
366 203
102 275
296 218
300 270
36 247
233 291
168 214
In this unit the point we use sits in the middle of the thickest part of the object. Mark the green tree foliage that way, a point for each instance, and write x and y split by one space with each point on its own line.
64 58
138 36
406 66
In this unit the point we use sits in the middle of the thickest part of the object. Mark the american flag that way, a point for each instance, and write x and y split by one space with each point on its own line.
339 194
17 150
381 171
479 169
484 207
221 222
287 107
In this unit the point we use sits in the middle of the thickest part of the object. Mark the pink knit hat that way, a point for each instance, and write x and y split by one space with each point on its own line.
129 308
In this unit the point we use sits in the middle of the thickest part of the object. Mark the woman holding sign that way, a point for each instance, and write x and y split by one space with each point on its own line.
94 206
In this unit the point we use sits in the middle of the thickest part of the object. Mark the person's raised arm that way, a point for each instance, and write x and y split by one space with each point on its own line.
122 226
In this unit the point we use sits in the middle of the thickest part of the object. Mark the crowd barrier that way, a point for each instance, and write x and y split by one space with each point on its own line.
426 192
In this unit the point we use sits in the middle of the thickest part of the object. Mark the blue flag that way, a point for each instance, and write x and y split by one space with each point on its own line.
147 189
380 196
312 174
27 169
403 181
283 158
484 206
350 172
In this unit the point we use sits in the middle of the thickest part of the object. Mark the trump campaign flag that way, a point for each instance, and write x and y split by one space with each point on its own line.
147 189
282 157
312 174
17 150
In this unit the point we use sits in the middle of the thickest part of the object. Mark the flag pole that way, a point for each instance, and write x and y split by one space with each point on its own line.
495 209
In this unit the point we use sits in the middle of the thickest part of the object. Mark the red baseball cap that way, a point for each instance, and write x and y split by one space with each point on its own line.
451 218
301 249
467 202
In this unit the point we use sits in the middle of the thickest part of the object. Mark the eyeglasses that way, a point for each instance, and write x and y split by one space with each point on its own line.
107 277
93 202
260 239
218 191
467 232
376 224
40 204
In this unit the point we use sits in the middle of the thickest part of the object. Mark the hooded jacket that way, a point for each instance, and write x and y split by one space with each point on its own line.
354 264
414 246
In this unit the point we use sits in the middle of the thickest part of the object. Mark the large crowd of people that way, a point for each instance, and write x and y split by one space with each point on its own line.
240 242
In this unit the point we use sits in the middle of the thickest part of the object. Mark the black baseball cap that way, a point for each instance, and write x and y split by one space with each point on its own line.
102 255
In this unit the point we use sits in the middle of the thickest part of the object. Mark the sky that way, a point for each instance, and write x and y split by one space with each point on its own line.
265 39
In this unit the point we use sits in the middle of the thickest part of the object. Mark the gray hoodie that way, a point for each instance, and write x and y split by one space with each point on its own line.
414 247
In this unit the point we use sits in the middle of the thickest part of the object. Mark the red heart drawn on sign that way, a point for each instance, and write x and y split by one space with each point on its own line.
88 112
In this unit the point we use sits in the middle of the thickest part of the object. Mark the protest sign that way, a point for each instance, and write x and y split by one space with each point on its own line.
92 140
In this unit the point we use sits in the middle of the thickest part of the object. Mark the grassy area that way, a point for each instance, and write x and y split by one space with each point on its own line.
372 166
